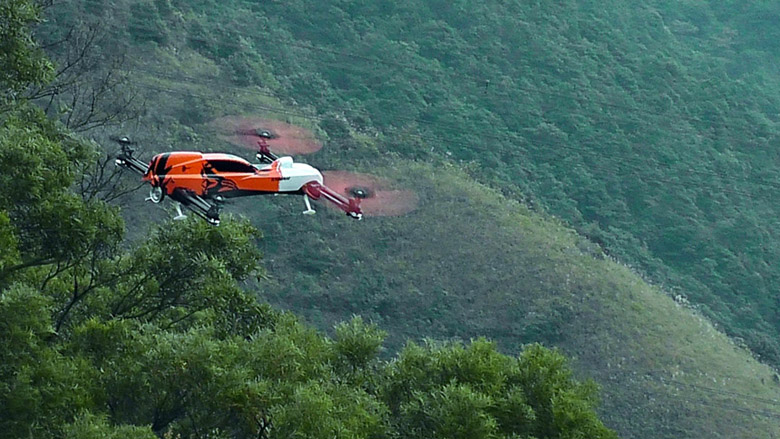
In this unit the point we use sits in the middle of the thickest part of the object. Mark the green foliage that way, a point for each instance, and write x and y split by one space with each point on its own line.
185 268
8 243
41 165
48 222
323 411
146 23
234 245
532 99
160 340
649 130
645 129
453 412
22 62
89 426
40 389
357 344
25 326
190 382
209 378
560 408
474 391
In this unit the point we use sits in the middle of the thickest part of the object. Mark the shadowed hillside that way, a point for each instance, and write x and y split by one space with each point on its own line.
470 262
634 125
651 128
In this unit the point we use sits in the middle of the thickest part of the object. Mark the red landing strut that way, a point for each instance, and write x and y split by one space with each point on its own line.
351 206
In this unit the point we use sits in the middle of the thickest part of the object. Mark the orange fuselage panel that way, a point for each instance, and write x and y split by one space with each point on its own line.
208 175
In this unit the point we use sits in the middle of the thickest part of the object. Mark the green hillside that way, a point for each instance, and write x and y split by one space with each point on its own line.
488 266
156 338
647 129
653 140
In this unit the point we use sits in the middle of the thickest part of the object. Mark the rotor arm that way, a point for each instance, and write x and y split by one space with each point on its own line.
351 206
125 157
131 163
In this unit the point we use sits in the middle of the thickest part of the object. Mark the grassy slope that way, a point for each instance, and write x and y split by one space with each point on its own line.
645 127
644 134
470 263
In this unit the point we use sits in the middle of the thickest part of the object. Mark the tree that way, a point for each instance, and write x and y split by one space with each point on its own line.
50 225
455 411
188 267
40 389
89 426
452 390
22 62
357 344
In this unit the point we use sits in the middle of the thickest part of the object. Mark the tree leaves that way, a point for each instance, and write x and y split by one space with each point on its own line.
22 62
453 390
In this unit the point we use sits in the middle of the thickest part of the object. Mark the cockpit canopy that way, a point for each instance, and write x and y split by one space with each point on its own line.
229 163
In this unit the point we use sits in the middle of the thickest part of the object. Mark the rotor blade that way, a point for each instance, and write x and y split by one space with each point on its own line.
122 140
376 196
281 137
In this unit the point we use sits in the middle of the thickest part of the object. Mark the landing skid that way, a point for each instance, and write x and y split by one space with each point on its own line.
197 205
309 210
180 216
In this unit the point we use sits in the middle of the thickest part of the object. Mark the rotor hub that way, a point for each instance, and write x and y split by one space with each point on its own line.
265 134
360 192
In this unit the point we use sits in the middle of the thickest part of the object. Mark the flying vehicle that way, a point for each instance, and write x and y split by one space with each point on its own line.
203 181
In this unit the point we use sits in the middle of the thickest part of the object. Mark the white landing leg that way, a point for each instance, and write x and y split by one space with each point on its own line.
309 210
180 216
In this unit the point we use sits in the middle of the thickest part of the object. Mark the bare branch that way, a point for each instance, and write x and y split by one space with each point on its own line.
91 89
104 181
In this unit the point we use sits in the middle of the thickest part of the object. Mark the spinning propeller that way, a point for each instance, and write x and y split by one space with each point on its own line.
125 143
281 137
375 196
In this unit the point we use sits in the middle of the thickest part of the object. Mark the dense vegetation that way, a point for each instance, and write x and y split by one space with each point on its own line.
159 340
649 128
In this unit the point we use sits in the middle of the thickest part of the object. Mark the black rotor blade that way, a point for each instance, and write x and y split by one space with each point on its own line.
122 140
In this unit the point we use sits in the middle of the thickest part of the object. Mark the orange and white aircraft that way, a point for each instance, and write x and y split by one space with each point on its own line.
202 181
